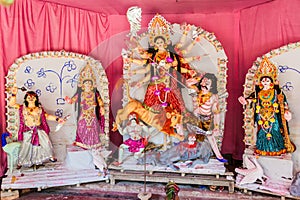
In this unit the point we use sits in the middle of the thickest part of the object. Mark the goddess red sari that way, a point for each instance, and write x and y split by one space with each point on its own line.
163 89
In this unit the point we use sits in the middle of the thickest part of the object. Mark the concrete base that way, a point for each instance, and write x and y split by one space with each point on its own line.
277 167
78 158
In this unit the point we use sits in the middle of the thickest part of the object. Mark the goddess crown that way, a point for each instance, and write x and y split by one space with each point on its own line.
159 26
266 68
87 74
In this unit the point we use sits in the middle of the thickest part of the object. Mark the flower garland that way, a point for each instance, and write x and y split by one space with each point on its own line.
266 113
167 90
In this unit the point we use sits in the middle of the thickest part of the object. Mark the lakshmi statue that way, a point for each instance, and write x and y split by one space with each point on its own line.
271 112
90 108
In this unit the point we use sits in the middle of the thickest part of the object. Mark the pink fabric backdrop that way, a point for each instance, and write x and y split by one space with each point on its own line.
32 26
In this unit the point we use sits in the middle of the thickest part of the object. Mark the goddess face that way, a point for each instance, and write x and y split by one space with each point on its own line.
266 82
88 86
159 43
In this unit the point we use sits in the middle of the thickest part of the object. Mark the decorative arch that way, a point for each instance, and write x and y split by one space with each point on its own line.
54 75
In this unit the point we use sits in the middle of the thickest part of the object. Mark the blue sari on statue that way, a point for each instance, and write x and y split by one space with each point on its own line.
270 139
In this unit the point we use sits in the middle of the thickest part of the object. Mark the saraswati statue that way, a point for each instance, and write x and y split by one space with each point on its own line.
270 111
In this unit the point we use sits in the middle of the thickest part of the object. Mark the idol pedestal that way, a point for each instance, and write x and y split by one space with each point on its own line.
78 158
275 167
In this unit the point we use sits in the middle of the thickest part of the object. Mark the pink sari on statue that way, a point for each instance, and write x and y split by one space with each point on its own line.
88 126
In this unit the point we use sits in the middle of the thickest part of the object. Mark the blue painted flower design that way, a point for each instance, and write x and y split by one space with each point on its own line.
283 69
28 70
70 65
287 86
73 81
51 88
29 83
41 73
38 92
59 112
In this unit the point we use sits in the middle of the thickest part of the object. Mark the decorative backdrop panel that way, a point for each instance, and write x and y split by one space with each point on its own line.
53 75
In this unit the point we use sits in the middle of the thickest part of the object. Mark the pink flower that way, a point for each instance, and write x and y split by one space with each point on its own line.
165 104
157 92
169 60
154 78
167 89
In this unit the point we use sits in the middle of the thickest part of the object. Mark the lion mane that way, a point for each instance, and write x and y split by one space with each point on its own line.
164 121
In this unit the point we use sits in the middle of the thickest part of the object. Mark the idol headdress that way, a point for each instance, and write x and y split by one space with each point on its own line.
87 74
266 68
159 26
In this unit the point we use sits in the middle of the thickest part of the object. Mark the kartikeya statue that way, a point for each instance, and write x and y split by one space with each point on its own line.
33 131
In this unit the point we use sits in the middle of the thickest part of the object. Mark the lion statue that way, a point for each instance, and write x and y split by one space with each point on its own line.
165 122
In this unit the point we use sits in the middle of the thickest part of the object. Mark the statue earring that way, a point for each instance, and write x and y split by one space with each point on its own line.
271 85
